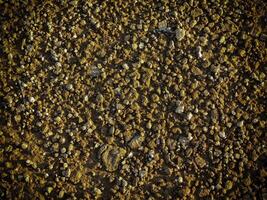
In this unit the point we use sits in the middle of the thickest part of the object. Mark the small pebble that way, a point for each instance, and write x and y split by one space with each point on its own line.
228 185
222 134
180 33
69 87
111 130
31 99
240 123
63 150
179 109
24 145
49 190
61 194
189 116
149 125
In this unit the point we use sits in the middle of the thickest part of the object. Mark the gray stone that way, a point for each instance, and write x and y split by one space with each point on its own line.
112 156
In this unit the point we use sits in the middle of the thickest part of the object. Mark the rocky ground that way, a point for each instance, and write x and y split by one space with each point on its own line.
133 99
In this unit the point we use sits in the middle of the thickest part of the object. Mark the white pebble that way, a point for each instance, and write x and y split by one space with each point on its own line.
130 155
240 124
189 137
189 116
179 109
31 99
222 134
199 52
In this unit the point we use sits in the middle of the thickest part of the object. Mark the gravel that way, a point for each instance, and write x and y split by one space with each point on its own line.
133 99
